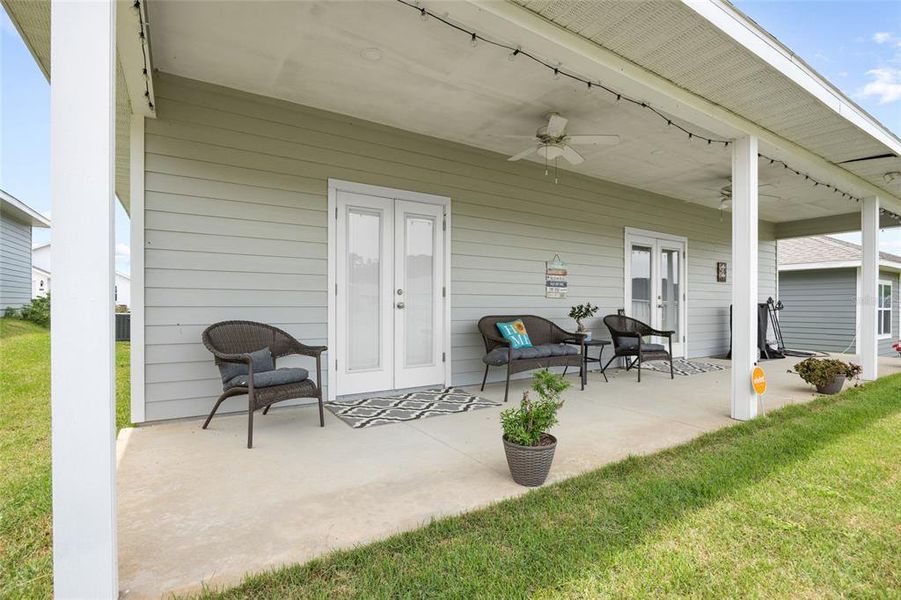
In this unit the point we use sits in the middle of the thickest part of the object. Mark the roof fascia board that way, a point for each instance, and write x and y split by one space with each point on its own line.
508 21
131 48
11 204
844 264
753 38
826 225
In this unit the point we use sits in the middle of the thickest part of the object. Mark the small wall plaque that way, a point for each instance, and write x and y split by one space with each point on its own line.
721 272
555 284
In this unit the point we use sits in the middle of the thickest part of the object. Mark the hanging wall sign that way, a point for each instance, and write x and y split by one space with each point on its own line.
555 278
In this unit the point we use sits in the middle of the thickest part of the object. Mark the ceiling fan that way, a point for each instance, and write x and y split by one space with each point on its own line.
726 195
552 143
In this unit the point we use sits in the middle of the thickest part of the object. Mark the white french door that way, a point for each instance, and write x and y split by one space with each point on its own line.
655 283
390 293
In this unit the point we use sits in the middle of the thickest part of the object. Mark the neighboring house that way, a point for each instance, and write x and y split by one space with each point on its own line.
16 222
41 276
342 170
819 284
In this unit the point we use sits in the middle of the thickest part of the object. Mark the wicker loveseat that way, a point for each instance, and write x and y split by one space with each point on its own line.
245 345
549 347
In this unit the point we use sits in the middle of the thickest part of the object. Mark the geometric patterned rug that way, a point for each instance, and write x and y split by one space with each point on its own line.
683 367
369 412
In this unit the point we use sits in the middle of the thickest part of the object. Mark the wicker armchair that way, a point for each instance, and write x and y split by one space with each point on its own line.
233 341
553 346
628 341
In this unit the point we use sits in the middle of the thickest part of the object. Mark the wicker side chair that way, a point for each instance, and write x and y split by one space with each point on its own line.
628 341
234 341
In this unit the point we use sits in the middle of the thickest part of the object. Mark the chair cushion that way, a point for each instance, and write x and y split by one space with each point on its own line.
632 344
515 332
262 361
270 378
499 356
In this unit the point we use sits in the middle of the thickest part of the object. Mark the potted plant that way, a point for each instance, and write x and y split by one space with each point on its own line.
827 374
528 445
580 312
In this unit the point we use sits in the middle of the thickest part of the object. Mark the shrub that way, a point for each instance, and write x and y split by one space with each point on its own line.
524 425
821 371
37 311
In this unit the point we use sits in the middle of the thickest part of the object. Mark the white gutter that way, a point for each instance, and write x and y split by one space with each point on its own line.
12 205
843 264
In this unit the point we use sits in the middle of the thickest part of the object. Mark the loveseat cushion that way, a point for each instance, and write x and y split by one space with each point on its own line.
270 378
500 356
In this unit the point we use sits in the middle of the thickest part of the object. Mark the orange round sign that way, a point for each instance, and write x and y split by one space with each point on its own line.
758 380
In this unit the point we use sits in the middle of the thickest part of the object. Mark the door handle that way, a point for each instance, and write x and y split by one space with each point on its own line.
400 305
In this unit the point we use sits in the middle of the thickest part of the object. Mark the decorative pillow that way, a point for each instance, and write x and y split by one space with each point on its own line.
262 361
515 332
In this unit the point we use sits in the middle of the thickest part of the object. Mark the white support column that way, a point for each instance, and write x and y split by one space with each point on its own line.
137 268
869 287
744 276
82 117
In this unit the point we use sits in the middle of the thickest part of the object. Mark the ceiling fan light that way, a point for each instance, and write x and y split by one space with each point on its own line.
550 151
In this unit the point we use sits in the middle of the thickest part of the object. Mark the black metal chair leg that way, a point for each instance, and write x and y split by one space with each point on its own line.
485 378
507 385
213 412
250 426
639 363
266 410
321 413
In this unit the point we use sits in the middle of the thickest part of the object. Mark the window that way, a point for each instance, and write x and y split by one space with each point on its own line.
884 309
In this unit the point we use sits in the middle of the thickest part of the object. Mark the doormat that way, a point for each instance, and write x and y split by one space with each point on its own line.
683 367
381 410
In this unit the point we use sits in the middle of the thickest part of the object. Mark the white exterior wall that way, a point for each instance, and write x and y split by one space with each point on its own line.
15 262
236 228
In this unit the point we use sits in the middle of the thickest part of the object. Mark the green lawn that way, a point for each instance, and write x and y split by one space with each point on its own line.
25 525
803 503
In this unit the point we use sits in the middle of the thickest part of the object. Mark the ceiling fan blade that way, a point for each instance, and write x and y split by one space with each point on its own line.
572 156
594 140
523 154
555 125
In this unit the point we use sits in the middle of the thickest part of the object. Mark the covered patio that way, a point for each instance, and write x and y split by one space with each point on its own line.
195 508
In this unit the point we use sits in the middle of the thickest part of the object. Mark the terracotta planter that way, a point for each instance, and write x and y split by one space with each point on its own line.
833 387
530 465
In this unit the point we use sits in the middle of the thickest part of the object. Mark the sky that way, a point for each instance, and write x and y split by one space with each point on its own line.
854 44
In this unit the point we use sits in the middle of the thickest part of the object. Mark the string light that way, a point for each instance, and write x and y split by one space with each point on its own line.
591 86
144 70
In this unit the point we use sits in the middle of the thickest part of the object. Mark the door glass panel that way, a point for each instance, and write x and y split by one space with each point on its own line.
364 298
641 283
419 290
670 293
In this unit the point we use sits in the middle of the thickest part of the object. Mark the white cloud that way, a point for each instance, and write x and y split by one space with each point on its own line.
885 87
122 251
881 37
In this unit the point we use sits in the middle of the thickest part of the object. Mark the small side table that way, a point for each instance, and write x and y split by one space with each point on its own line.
586 344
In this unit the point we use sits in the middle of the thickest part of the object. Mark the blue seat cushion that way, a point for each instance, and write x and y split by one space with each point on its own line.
632 344
262 361
270 378
500 356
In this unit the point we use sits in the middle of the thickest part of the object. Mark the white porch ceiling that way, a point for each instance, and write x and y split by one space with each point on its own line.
430 80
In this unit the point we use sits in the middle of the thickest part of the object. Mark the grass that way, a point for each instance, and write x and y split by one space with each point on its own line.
805 502
25 503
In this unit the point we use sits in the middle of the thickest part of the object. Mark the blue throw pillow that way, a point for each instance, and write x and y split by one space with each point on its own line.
262 361
515 332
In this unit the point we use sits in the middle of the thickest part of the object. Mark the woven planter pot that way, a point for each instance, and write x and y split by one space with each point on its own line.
833 387
529 465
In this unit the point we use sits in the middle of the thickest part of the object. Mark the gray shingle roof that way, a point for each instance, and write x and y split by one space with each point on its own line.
822 248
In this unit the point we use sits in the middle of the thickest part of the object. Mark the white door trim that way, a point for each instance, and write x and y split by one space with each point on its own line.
633 232
336 185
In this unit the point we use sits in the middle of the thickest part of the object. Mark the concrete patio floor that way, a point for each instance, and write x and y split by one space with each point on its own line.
196 507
